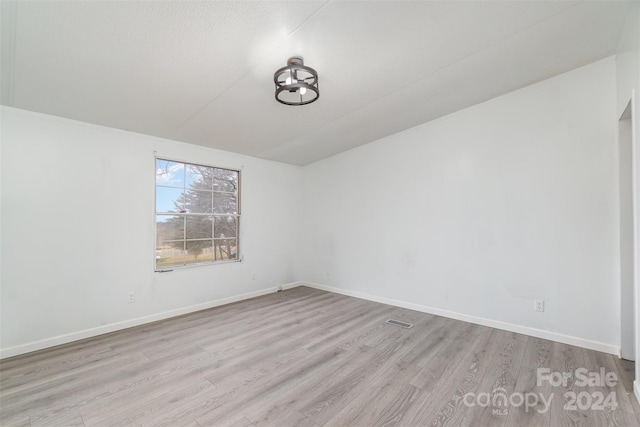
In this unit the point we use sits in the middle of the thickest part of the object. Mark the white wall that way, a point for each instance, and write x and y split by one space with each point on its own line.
477 214
628 89
78 224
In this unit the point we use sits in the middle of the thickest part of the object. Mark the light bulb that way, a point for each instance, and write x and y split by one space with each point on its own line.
303 90
288 81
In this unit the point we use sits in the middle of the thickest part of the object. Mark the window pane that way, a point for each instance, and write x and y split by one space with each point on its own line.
199 177
224 203
199 227
225 249
198 251
170 255
169 227
197 201
170 174
225 226
225 180
169 199
197 214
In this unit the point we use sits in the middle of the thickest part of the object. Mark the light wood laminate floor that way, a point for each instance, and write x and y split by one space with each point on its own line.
305 357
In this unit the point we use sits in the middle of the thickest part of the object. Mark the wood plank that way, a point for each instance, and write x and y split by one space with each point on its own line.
566 358
385 403
454 376
64 419
537 356
499 383
69 390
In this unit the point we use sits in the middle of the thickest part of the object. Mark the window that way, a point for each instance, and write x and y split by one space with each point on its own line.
197 214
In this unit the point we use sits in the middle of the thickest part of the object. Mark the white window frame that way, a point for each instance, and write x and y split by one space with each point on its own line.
185 214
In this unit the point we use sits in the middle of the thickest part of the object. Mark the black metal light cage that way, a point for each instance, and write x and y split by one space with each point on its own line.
296 84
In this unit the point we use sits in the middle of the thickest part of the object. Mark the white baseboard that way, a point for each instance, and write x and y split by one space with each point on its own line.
89 333
636 390
511 327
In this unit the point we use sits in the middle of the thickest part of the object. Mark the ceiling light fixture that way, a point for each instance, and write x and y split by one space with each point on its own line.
296 84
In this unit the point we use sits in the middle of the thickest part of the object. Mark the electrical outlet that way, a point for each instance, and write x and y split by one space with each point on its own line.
132 297
539 305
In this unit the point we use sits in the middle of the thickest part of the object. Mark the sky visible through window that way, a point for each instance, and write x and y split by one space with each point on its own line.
169 174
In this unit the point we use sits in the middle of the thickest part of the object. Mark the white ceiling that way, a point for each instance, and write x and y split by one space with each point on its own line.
202 72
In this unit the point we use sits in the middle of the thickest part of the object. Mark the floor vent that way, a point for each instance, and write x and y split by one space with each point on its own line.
399 323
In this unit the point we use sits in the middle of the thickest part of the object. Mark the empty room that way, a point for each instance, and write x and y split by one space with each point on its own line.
319 213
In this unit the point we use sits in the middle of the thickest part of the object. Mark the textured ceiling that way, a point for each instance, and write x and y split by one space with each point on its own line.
202 72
